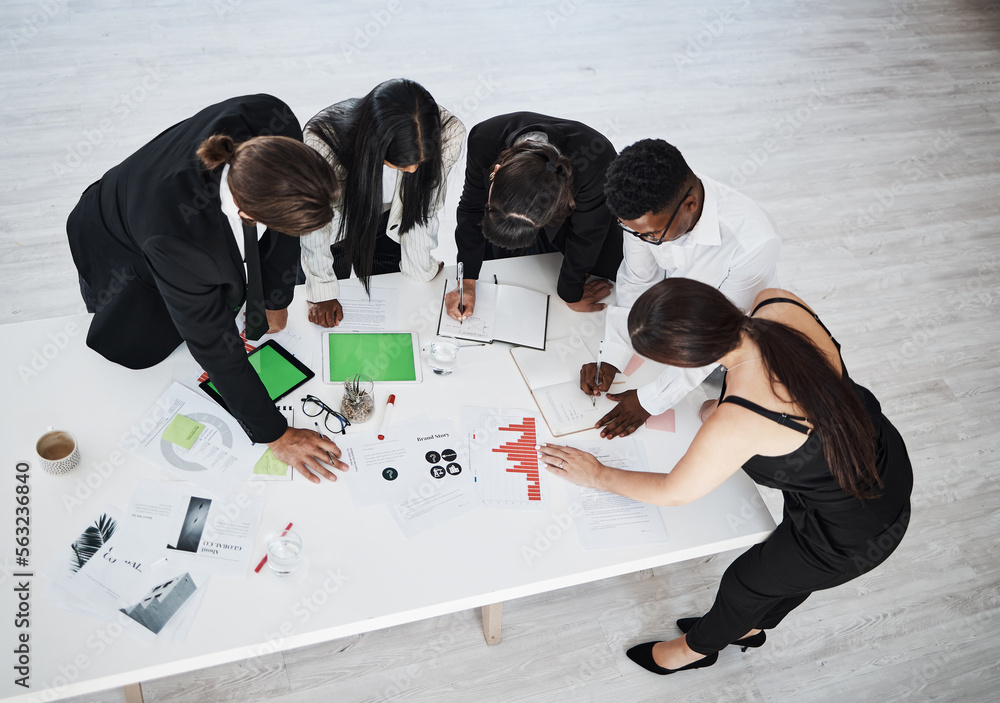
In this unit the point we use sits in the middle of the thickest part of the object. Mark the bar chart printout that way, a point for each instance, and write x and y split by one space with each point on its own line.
504 457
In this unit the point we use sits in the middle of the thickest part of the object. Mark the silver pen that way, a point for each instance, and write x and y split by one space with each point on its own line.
459 275
597 375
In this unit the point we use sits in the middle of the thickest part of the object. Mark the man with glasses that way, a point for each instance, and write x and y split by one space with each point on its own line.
676 224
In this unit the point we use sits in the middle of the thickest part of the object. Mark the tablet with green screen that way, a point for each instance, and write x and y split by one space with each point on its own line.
382 356
279 371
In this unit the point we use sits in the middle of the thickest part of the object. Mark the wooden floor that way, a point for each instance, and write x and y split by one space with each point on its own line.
869 128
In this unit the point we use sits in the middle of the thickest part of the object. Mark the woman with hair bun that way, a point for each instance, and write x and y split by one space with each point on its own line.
791 416
535 184
170 243
392 151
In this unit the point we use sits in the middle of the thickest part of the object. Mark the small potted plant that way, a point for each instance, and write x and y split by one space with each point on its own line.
359 398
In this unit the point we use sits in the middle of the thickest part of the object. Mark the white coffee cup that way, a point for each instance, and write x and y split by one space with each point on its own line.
58 451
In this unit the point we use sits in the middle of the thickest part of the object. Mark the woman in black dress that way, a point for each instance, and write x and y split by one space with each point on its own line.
790 415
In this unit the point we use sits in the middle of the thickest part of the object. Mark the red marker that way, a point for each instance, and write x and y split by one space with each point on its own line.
386 414
264 560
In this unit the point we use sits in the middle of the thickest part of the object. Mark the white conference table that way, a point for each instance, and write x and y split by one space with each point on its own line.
362 574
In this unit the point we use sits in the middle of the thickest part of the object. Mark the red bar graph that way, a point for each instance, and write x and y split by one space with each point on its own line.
523 455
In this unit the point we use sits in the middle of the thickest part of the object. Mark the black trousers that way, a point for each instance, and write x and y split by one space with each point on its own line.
770 579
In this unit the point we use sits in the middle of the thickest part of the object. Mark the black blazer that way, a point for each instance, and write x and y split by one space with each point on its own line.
159 264
589 238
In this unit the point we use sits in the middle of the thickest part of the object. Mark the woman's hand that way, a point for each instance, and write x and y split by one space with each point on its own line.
469 293
575 466
326 314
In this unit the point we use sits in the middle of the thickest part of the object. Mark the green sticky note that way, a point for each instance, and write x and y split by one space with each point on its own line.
270 465
183 431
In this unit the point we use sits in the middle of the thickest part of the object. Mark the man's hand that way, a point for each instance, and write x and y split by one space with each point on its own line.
326 314
305 450
593 291
276 320
625 418
451 300
587 373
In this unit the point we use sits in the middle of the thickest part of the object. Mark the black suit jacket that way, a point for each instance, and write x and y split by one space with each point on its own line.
589 238
159 264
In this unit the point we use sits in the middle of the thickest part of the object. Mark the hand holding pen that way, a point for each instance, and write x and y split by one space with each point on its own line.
597 373
459 276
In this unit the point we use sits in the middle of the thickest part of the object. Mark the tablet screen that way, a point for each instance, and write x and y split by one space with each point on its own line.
279 371
382 356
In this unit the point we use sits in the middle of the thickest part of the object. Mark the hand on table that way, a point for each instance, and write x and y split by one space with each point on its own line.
451 300
593 291
625 418
307 449
575 466
326 314
276 320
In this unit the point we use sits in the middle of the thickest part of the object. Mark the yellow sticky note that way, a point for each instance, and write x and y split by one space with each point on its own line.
183 431
269 465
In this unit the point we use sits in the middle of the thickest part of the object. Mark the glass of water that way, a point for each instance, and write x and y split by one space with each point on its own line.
443 357
284 552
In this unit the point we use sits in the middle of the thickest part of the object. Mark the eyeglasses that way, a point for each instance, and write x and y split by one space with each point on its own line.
656 238
313 406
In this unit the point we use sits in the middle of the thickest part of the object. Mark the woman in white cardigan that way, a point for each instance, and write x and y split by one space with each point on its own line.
392 151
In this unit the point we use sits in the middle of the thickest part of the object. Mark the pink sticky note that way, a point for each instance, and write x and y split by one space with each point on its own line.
663 422
633 365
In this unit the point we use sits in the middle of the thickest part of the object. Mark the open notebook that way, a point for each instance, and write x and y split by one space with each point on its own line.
503 313
553 377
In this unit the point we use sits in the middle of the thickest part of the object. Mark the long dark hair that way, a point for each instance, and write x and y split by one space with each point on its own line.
275 180
532 188
690 324
398 122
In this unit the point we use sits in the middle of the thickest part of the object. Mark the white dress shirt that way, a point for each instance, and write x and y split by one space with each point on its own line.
734 247
416 245
232 212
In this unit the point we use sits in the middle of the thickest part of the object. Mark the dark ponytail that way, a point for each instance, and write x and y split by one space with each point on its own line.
216 151
398 122
532 188
275 180
690 324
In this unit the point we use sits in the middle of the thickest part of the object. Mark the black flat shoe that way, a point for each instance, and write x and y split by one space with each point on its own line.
642 654
685 625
